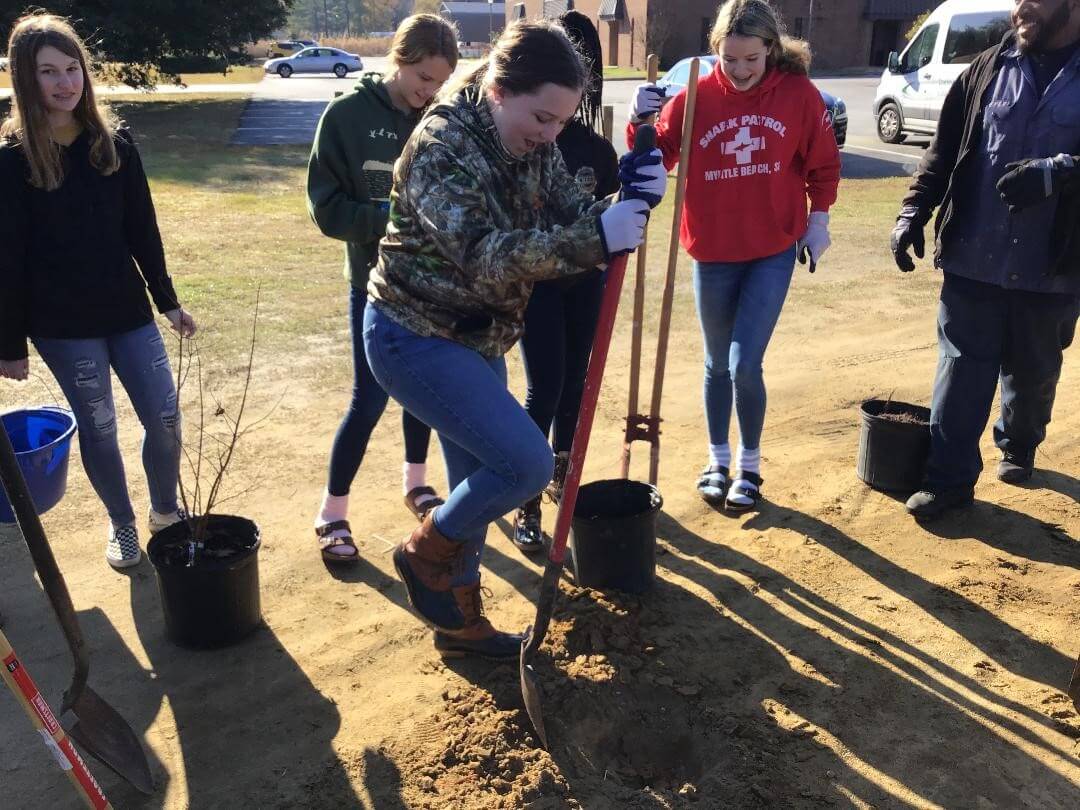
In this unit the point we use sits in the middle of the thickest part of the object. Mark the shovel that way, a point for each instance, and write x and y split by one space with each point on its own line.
1074 685
644 141
20 683
91 722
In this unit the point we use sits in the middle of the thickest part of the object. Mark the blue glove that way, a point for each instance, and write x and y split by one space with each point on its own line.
383 205
643 177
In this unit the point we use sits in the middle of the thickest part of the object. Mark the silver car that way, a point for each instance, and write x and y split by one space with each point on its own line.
315 60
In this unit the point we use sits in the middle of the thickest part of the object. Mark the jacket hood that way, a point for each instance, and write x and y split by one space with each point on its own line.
375 83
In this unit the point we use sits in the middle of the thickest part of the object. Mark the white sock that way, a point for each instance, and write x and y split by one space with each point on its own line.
750 460
334 507
720 455
412 476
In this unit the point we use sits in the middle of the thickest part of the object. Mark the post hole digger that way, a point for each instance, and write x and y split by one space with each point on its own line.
644 142
639 426
91 722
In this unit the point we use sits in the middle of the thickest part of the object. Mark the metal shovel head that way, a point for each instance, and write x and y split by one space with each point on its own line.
534 637
100 730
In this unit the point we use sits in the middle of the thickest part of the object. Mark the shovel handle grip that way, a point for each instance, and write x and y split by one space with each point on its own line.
20 683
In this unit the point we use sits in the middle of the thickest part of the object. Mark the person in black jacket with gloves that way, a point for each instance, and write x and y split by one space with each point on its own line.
1003 173
561 317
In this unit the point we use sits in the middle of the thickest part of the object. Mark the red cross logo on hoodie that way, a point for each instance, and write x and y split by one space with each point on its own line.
743 146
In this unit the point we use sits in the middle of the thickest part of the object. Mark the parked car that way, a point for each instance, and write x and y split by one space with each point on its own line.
287 47
915 82
283 47
315 60
679 76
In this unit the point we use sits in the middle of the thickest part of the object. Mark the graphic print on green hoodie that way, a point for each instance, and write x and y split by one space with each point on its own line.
350 171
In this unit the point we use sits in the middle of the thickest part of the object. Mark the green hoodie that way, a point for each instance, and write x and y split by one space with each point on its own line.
350 171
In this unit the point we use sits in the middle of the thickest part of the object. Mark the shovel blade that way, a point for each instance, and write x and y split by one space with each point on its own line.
100 731
534 637
530 691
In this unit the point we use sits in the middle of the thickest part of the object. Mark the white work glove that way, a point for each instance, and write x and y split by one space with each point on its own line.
816 239
622 226
647 101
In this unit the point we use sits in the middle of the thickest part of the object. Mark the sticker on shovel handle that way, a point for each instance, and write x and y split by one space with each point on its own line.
32 695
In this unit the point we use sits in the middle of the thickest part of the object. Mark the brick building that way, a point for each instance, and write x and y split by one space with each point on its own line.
842 33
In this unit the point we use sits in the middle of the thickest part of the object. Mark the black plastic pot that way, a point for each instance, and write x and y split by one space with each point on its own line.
209 590
893 451
613 535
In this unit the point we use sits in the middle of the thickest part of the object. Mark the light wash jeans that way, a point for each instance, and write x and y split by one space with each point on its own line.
81 367
738 305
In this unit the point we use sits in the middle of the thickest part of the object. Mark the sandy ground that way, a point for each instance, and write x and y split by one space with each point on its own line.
824 652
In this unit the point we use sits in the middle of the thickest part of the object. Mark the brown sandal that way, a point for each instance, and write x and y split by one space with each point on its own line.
421 510
328 544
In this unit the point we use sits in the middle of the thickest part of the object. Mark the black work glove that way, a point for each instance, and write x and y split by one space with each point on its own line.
907 233
1030 182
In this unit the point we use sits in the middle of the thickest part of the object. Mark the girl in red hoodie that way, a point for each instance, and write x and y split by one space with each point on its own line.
762 144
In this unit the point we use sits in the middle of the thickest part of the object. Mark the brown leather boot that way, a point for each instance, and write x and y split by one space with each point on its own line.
427 562
477 637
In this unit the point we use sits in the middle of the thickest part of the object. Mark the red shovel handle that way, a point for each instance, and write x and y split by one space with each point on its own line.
593 379
645 141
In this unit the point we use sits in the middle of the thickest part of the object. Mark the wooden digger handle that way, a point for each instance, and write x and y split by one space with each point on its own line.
20 683
653 66
673 258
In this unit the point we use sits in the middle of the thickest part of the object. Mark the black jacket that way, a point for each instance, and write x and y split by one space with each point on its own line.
76 262
946 166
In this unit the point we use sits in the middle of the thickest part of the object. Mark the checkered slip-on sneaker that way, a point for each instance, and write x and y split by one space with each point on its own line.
123 549
157 521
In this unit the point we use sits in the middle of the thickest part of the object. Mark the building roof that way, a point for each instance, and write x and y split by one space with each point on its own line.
612 10
474 7
476 21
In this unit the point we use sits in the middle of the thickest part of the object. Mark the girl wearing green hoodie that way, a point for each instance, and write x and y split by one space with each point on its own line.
350 172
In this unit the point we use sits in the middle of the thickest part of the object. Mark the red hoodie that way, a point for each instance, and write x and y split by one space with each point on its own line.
755 158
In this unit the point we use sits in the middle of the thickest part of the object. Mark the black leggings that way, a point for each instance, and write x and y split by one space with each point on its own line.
365 410
560 323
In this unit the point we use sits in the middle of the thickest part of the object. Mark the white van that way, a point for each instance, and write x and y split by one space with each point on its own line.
913 86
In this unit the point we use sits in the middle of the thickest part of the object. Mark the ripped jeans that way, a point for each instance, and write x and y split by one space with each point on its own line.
81 367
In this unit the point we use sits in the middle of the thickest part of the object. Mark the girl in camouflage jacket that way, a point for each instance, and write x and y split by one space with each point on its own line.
482 207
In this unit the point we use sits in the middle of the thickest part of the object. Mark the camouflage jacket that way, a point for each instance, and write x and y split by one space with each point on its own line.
472 227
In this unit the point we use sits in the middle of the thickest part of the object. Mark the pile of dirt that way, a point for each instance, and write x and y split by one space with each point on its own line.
624 695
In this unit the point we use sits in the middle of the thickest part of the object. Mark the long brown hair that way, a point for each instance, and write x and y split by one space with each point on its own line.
528 54
756 18
28 123
421 36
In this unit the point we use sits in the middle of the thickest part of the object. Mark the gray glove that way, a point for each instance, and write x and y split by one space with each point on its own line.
622 226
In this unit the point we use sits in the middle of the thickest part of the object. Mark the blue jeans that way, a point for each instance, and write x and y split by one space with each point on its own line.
738 305
81 367
560 323
989 335
365 409
496 457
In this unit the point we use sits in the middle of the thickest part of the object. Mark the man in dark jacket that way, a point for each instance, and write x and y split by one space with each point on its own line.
1004 174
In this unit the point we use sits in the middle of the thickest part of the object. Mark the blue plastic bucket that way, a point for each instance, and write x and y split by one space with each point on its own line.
42 441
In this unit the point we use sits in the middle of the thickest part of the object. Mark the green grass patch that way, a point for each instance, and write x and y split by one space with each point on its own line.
235 75
617 72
